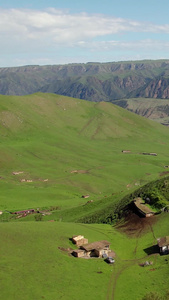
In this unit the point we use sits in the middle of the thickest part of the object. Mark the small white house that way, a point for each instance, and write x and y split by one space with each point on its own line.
163 244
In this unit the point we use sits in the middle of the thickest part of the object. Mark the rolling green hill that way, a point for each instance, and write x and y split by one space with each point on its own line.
35 263
116 82
53 150
77 146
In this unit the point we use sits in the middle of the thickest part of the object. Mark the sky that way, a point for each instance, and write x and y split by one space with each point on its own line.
40 32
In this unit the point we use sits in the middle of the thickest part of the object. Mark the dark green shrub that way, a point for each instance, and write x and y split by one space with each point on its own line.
153 296
38 217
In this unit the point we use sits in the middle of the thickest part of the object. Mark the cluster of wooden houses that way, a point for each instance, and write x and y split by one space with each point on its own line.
95 249
101 249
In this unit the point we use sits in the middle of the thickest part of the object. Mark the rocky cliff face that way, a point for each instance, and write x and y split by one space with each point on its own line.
151 108
157 88
91 81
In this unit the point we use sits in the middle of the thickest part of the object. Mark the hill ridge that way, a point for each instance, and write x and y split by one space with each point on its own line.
90 81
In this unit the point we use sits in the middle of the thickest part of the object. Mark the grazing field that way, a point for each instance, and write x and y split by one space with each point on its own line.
138 281
35 263
54 150
48 137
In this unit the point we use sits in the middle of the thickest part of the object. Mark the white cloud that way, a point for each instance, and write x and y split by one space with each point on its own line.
26 32
62 27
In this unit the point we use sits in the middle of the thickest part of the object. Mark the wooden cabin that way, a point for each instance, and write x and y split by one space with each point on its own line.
150 153
79 240
96 249
78 253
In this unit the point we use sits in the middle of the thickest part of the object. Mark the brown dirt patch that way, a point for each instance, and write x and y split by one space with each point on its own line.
99 272
164 173
134 226
69 250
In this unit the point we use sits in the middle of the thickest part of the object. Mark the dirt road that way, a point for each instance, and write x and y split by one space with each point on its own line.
133 226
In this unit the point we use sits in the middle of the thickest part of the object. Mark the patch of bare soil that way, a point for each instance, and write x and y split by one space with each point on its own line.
68 250
134 225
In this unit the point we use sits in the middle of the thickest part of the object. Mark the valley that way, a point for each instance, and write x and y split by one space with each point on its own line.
139 86
54 151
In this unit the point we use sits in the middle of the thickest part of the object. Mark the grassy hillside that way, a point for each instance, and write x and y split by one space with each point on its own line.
64 148
110 82
47 136
35 263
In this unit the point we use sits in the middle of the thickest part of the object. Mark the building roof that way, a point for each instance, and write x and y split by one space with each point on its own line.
163 241
78 250
96 245
77 237
141 206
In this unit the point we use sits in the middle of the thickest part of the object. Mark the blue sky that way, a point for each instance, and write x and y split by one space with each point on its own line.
59 32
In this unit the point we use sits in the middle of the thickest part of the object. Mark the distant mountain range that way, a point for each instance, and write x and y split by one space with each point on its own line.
91 81
111 82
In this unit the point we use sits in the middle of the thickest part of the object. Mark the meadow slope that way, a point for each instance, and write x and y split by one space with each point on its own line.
77 146
35 263
64 148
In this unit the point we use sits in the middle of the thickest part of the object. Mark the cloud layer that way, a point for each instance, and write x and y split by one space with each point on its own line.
24 31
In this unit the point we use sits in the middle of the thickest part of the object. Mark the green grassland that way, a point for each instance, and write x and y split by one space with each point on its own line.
46 137
33 267
139 281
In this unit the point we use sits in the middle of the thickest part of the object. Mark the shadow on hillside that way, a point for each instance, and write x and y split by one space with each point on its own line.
152 250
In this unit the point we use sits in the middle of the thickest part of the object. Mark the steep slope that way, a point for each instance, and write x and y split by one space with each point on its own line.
156 88
154 193
96 88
